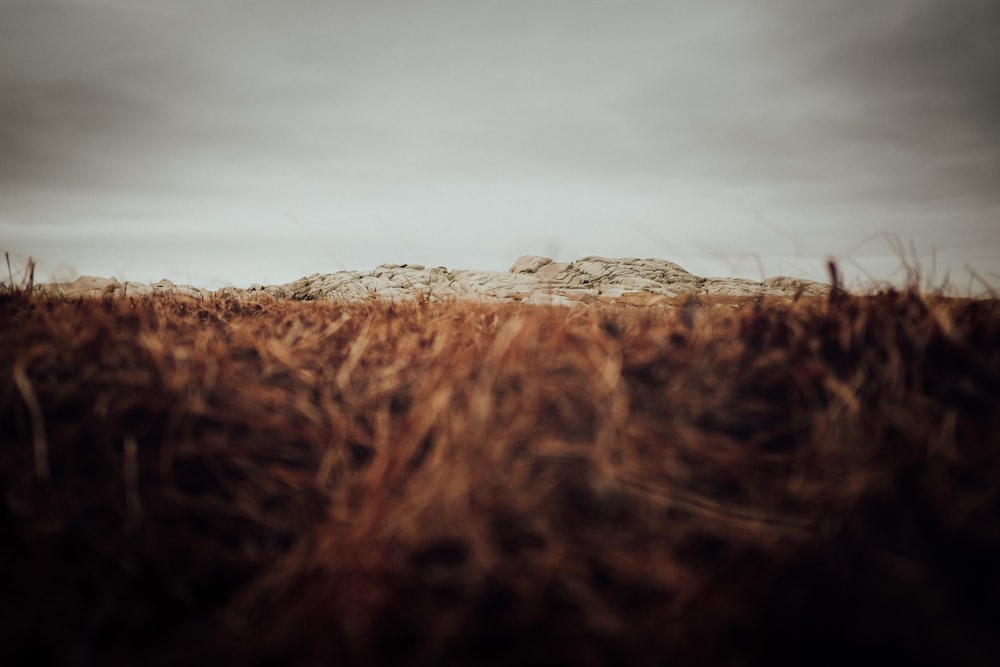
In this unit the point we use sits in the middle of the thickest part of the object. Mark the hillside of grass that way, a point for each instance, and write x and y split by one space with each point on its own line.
261 481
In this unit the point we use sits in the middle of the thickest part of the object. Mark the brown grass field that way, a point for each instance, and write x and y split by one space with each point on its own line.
266 482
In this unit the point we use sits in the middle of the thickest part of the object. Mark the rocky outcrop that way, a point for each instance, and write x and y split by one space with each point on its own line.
531 279
536 279
97 286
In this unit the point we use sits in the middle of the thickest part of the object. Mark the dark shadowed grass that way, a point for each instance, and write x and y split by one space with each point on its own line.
693 481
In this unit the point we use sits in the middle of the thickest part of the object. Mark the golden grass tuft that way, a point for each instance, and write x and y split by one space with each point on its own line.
715 481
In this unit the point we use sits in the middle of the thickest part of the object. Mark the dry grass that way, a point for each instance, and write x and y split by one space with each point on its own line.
273 482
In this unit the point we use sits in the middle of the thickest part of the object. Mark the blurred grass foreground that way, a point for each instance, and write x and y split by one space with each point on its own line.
261 481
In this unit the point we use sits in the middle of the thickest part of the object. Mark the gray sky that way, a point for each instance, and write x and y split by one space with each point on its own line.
237 141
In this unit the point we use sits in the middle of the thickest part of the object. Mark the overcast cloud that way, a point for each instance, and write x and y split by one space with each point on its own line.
238 141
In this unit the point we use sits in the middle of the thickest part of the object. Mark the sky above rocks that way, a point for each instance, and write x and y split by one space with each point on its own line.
236 141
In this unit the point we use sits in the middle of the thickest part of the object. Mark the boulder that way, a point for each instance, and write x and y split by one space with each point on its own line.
529 264
556 271
91 284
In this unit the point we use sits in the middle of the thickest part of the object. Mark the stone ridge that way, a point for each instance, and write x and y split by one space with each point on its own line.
531 279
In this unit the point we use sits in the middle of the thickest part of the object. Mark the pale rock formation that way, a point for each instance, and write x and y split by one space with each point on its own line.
92 286
132 288
794 285
528 264
96 286
732 287
548 299
530 279
555 271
